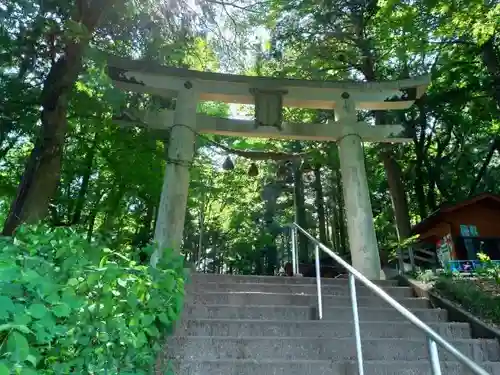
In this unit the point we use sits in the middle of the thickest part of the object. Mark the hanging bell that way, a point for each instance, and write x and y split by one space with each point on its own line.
228 164
253 171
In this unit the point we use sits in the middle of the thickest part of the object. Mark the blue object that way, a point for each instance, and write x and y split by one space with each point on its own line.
466 265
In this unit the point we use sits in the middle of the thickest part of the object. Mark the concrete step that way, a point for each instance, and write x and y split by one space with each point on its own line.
250 298
327 289
210 277
308 367
334 349
325 328
270 312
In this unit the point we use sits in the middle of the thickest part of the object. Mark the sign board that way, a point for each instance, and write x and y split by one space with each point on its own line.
444 250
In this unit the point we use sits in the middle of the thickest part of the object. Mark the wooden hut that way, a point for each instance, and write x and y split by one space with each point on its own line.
457 232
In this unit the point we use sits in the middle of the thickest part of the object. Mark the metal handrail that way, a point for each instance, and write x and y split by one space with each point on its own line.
433 337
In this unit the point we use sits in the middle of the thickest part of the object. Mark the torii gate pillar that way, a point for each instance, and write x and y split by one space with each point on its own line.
360 226
172 209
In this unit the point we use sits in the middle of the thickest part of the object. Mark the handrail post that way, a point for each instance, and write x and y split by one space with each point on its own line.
357 330
318 282
433 356
294 249
411 254
401 263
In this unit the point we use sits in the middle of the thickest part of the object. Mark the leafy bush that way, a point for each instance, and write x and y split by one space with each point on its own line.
70 307
488 269
425 276
479 294
472 295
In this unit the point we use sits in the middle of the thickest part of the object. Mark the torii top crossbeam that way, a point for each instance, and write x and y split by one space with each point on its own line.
147 77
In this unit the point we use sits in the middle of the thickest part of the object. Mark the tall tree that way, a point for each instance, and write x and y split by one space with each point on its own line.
42 171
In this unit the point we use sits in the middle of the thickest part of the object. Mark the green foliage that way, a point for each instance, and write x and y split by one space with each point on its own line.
488 270
425 276
403 246
476 296
479 294
67 306
111 178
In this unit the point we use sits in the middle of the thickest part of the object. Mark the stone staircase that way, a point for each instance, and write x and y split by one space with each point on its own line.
258 325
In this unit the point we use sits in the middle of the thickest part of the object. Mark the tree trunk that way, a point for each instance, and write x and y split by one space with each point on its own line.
431 194
113 204
392 168
328 220
491 59
92 216
201 229
80 200
215 250
396 186
335 230
320 204
300 214
398 195
41 175
341 222
419 190
495 145
420 153
420 179
145 234
91 224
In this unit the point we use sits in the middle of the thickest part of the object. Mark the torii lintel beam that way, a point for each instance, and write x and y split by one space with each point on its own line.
163 120
148 77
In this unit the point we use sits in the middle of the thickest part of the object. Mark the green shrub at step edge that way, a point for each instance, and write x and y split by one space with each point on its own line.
70 307
488 269
471 297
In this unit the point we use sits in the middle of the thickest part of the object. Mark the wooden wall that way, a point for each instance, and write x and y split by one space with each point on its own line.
485 217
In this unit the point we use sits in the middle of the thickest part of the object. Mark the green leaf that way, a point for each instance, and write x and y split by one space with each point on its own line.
164 318
19 327
31 359
103 337
6 306
179 302
53 298
169 282
132 300
147 320
22 318
84 340
171 314
141 339
4 370
61 311
152 331
37 310
69 298
18 346
31 276
29 371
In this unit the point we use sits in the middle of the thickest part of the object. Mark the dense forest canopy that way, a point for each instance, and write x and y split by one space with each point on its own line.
65 160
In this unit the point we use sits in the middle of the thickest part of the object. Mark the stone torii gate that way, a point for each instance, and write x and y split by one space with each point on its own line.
269 95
